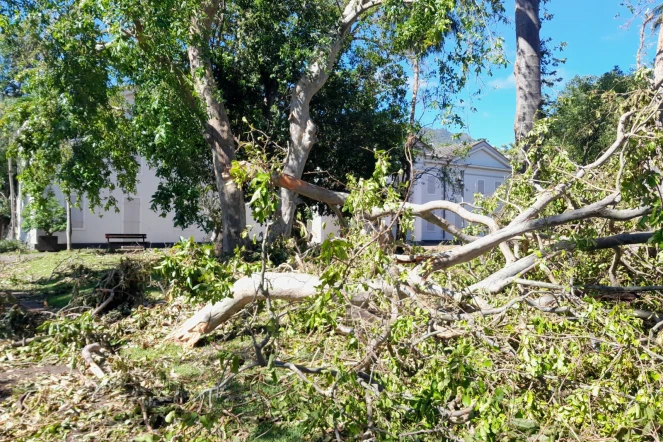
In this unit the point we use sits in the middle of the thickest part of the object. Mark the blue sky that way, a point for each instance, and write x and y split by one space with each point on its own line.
596 40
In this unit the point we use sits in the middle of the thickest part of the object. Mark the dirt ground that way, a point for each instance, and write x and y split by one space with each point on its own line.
12 376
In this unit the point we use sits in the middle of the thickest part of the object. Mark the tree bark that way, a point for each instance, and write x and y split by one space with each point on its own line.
68 233
658 62
528 67
293 287
216 125
13 228
415 88
286 286
302 128
218 135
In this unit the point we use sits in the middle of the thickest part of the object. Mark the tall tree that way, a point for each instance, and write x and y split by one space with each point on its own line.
583 118
658 61
302 127
276 55
12 199
528 67
64 124
194 68
657 15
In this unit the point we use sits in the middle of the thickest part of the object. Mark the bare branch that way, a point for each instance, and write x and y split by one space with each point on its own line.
87 357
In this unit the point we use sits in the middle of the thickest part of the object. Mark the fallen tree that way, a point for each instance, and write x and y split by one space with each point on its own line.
542 244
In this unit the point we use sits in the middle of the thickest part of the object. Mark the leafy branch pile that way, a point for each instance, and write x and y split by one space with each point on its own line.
544 323
541 325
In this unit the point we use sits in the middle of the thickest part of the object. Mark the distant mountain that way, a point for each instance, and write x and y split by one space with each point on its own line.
441 137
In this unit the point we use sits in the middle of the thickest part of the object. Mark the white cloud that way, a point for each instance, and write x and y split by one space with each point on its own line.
508 82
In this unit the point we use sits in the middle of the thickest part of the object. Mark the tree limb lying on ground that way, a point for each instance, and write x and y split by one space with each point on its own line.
558 217
295 287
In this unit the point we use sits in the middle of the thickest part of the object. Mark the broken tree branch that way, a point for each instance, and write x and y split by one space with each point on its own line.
87 352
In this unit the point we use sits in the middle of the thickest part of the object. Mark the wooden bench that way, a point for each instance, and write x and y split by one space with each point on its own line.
124 236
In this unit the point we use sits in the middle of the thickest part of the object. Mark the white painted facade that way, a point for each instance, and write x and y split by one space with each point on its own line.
482 170
322 227
133 215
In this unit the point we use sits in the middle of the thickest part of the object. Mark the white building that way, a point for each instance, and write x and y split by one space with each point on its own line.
133 215
476 168
455 173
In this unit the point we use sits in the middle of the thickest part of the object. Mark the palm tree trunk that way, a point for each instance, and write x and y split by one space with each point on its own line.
528 67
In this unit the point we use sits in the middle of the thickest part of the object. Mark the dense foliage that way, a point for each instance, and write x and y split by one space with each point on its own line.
583 118
193 271
64 122
44 213
11 245
543 323
80 73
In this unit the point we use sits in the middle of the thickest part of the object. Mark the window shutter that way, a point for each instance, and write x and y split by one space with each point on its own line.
431 185
131 216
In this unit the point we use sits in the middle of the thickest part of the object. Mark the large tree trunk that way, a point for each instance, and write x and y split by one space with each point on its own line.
302 138
658 62
302 128
219 137
302 135
528 67
415 88
13 229
68 203
216 125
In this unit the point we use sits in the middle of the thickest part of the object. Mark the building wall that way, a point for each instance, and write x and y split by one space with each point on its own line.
134 215
322 226
90 227
483 171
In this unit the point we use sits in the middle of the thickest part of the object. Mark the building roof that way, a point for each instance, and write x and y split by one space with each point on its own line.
459 151
447 151
450 151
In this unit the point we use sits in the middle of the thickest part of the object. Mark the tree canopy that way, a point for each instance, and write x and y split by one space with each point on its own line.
542 321
204 75
583 117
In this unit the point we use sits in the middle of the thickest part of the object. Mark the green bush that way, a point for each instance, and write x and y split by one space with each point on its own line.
45 213
11 245
192 270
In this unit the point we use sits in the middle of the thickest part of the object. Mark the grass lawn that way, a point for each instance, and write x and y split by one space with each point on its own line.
50 277
143 367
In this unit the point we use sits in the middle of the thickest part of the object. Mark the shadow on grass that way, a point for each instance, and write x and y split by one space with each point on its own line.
56 291
40 285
